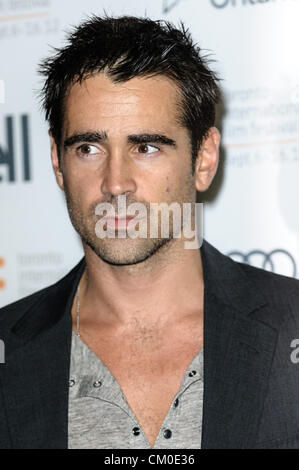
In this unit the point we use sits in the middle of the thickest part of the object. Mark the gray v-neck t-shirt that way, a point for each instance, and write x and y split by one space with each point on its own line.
100 417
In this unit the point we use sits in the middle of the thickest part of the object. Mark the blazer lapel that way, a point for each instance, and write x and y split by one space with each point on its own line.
238 353
36 373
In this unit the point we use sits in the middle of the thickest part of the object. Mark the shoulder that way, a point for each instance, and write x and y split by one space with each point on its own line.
272 285
225 270
247 288
281 294
12 312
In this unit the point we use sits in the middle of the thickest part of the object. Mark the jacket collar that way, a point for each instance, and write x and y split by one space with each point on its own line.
226 280
51 307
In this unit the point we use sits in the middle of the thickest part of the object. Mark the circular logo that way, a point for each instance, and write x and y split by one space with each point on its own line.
277 260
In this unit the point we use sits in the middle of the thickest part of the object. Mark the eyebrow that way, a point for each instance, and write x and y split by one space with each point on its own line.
85 137
152 138
133 139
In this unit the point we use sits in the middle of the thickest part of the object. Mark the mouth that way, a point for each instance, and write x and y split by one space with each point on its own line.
119 222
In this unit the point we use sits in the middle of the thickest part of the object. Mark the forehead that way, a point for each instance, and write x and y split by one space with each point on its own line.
146 100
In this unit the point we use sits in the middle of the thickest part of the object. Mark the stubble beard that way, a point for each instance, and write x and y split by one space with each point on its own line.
114 251
119 251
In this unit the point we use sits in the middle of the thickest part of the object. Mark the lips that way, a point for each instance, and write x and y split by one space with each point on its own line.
119 222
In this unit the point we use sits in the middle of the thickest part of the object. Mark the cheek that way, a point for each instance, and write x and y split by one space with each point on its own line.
80 182
168 188
181 188
77 194
161 190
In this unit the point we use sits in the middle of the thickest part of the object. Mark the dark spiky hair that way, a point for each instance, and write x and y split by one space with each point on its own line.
125 47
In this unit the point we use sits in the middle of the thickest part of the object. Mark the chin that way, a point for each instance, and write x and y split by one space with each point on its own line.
127 252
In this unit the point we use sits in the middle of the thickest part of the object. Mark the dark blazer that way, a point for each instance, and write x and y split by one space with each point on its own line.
251 386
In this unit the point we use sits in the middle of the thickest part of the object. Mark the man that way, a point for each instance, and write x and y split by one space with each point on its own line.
145 343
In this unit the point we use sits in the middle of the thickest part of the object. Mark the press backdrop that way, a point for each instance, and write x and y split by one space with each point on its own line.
251 210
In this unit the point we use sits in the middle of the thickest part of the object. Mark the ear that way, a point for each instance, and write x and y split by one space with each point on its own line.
207 160
55 162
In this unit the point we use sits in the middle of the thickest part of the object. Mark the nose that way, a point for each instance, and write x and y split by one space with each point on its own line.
118 175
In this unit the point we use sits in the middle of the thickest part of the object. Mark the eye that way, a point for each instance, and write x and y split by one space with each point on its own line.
87 149
147 149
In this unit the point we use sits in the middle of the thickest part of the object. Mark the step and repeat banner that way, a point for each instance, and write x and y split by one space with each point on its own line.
250 212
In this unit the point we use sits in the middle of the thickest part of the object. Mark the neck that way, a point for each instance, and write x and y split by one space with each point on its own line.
167 287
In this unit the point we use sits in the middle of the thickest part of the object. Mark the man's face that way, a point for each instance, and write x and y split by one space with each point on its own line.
123 139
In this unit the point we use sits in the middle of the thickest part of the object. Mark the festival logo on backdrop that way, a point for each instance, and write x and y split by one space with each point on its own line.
2 281
8 152
274 260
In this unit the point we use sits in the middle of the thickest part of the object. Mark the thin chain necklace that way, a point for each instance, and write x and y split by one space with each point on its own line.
78 313
78 304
